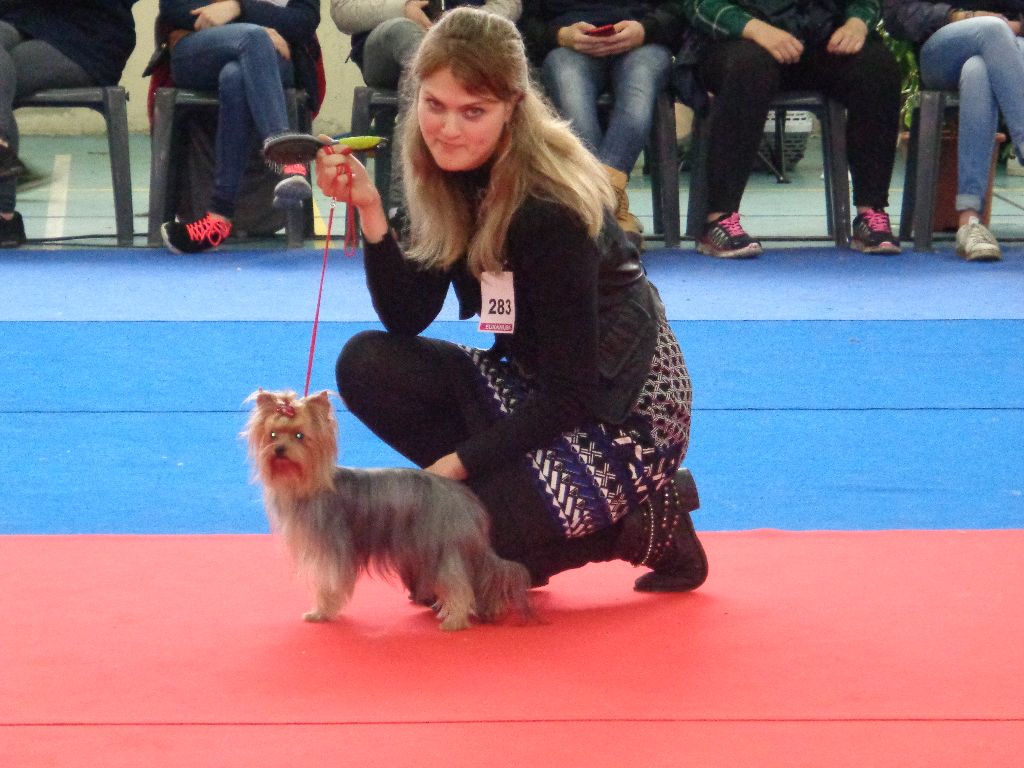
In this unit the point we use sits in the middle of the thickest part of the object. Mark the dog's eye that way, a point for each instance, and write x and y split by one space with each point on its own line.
299 436
273 435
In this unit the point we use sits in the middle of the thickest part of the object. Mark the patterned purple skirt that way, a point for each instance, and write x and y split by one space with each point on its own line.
594 475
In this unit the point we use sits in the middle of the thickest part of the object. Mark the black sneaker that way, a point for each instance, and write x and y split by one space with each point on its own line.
293 190
208 232
12 233
725 238
872 233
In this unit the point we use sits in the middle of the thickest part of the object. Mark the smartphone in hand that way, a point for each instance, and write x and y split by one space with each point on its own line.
607 29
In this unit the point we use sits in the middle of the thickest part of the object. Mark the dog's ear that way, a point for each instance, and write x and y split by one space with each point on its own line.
320 404
264 399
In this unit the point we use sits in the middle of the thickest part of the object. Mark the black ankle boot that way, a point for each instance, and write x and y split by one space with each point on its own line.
660 536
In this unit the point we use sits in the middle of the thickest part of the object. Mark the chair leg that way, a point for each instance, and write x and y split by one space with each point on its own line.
665 171
909 180
162 142
927 167
697 199
115 112
294 218
837 173
383 121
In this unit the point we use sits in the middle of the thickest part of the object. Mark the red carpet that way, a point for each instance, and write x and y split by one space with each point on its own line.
803 649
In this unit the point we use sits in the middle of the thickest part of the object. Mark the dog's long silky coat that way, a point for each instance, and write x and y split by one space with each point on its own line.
338 522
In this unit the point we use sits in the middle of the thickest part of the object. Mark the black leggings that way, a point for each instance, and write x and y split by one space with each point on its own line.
744 78
423 398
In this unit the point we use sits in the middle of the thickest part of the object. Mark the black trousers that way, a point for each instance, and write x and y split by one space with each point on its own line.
423 397
744 78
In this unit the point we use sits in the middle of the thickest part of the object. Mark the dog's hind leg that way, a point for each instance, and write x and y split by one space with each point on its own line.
455 599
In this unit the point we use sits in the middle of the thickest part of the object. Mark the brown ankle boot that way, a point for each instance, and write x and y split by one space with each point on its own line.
660 535
630 224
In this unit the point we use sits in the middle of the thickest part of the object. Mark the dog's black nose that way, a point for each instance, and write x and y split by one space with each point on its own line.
279 450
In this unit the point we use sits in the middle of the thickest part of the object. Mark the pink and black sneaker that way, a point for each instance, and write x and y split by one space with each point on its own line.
873 234
725 238
208 232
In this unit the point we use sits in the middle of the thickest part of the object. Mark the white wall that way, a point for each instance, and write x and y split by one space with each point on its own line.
335 116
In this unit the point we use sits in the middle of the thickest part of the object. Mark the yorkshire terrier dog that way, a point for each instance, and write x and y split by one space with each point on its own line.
338 522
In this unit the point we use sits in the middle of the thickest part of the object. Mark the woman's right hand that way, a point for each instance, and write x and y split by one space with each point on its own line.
340 176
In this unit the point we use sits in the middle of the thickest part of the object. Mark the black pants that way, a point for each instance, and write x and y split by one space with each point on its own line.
744 78
423 397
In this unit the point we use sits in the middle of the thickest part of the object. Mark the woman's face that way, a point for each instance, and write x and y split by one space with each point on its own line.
461 129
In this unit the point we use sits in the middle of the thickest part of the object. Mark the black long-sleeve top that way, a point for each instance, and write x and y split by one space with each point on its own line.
585 331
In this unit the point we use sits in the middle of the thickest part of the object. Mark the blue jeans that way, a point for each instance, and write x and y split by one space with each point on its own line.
238 61
984 60
574 81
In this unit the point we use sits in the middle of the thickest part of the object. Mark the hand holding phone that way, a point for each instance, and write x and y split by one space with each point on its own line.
603 31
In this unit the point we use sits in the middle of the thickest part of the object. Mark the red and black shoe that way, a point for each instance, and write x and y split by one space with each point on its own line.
873 234
202 235
725 238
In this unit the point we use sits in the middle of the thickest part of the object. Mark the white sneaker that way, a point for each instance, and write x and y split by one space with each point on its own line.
975 243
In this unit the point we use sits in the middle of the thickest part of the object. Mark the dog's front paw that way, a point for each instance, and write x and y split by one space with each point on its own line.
315 615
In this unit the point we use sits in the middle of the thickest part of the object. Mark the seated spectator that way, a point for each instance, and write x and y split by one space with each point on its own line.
975 49
585 48
385 35
249 51
746 52
53 45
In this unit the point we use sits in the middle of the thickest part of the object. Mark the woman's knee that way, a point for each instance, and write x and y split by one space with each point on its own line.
745 67
230 82
358 363
974 75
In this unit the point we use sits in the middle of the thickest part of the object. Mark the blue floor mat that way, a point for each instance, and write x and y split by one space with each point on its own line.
132 426
784 284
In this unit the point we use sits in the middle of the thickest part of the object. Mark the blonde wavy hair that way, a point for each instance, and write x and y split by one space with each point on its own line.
537 155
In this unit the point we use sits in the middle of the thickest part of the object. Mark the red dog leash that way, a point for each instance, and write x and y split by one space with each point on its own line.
351 241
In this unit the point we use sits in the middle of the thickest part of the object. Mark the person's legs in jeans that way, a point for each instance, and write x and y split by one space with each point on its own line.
637 77
574 81
240 62
982 59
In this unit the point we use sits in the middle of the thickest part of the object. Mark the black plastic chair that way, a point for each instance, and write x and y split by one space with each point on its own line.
112 103
832 116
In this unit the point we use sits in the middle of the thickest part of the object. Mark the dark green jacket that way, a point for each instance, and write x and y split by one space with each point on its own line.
812 22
